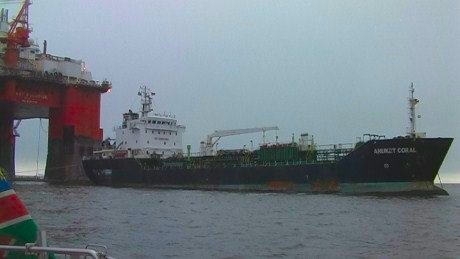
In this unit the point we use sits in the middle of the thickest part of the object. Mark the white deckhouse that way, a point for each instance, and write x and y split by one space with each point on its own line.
147 136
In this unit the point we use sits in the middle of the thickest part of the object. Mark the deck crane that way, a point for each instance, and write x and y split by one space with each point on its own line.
17 36
206 147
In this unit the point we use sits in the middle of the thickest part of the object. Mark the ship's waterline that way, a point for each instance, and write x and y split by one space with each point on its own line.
324 187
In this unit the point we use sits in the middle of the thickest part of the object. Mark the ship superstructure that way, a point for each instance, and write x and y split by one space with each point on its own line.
144 135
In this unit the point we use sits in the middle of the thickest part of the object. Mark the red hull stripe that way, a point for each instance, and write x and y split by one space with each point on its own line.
12 208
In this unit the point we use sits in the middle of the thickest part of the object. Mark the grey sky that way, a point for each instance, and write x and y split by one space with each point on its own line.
335 69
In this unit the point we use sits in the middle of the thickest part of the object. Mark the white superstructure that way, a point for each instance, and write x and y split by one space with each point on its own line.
146 136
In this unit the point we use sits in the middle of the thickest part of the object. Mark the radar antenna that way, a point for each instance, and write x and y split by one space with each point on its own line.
146 100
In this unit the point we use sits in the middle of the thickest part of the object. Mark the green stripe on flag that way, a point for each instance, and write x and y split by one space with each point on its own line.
23 232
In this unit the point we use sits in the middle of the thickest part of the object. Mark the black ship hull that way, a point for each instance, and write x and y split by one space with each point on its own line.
399 165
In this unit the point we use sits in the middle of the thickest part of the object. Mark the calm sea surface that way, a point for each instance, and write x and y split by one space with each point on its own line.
150 223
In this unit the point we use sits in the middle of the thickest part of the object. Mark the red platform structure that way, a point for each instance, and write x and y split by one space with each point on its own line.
73 111
39 85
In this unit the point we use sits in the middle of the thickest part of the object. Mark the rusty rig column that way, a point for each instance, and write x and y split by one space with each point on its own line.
74 132
7 140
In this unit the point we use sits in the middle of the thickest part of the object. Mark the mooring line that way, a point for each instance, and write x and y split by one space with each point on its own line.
439 177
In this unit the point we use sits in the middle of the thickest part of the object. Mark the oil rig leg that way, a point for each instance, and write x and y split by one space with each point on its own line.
66 150
7 141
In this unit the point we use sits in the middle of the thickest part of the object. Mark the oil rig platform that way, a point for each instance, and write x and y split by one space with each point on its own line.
35 84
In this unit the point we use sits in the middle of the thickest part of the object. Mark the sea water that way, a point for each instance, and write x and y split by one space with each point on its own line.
152 223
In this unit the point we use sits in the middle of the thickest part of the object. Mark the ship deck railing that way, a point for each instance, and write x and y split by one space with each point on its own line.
335 146
333 152
324 154
32 74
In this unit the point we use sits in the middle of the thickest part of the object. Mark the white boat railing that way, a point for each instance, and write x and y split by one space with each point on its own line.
41 251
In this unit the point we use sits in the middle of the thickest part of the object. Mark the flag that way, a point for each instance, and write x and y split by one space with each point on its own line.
16 225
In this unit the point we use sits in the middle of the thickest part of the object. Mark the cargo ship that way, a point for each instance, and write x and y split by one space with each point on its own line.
147 151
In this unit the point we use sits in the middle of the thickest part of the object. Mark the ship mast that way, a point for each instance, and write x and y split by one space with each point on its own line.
146 100
412 102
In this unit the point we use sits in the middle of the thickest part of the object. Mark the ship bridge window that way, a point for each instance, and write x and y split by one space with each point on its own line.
148 142
150 122
170 133
154 122
165 142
